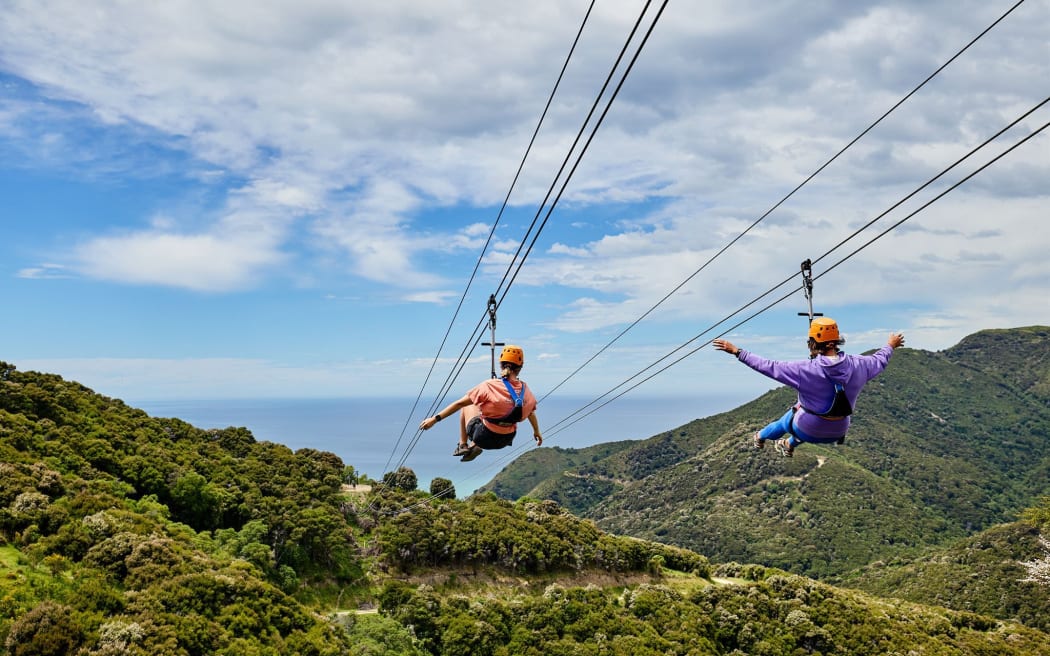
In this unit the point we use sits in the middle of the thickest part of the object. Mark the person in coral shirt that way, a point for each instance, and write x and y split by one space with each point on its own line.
492 409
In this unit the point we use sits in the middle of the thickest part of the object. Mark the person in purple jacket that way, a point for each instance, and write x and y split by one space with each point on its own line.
828 385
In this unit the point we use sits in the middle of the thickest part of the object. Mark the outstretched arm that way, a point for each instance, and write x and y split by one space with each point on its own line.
536 429
450 410
787 373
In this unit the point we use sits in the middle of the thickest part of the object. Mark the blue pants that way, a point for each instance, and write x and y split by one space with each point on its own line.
783 426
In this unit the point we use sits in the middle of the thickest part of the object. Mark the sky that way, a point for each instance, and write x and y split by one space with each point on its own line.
271 199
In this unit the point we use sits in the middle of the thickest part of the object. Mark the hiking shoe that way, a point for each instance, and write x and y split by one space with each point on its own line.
461 450
757 441
472 452
784 447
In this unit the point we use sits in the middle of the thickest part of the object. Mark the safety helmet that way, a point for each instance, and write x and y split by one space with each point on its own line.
824 329
513 355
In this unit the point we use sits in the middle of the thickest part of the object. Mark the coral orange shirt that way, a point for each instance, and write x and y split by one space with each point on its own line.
493 401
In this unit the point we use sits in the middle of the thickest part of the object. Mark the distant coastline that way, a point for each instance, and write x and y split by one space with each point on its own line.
372 434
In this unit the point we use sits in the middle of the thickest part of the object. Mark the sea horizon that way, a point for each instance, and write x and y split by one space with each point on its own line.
376 435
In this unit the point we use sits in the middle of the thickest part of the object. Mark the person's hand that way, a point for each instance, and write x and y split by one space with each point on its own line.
896 340
538 438
724 345
427 423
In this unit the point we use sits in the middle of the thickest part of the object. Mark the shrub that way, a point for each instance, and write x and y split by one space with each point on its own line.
49 629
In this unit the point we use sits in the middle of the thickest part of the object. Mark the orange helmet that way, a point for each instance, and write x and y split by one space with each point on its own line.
513 355
823 329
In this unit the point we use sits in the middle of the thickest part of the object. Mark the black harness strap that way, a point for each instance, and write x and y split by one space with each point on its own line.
840 406
514 416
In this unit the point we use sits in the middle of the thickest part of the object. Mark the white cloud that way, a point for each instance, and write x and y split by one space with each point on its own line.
199 262
335 127
435 296
562 249
44 272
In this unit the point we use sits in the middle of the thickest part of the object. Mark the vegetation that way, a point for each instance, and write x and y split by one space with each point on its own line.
134 535
528 537
122 533
1038 569
766 613
536 466
985 573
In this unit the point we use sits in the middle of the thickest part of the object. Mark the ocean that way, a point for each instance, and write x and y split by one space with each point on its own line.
377 435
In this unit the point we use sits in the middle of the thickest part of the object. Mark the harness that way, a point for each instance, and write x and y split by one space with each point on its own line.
514 416
840 409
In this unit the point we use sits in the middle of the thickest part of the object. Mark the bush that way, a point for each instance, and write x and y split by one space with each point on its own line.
49 629
403 479
442 487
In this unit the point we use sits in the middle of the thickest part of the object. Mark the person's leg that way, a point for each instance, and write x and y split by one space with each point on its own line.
796 436
465 415
777 428
477 434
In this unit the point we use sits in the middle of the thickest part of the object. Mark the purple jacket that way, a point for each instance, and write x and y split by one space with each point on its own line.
815 381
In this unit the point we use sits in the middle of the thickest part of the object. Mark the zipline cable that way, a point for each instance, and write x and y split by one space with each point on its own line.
461 363
565 162
771 209
569 155
823 166
488 240
564 423
865 226
587 144
419 433
579 134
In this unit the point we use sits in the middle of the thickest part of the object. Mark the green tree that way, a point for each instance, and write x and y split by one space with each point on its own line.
1039 515
49 629
196 501
442 487
376 635
402 479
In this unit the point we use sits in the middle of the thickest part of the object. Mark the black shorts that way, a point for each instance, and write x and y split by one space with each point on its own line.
480 434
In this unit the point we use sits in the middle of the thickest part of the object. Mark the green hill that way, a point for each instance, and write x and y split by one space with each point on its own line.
943 445
981 573
122 533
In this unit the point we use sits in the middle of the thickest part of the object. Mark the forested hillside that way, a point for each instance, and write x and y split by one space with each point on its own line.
133 535
124 533
982 573
943 445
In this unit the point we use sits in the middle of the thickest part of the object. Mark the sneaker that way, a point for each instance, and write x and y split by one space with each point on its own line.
784 447
472 452
461 450
758 441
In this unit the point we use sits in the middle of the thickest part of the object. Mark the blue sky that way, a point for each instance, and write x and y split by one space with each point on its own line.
276 199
